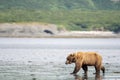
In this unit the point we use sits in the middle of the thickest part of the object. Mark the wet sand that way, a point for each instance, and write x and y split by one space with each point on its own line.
49 63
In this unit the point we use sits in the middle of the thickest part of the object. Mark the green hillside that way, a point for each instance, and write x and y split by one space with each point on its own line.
70 14
107 4
60 4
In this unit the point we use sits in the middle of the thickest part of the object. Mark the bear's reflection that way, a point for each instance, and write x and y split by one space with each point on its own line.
85 77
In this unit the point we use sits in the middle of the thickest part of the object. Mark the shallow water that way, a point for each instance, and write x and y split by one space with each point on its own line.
44 59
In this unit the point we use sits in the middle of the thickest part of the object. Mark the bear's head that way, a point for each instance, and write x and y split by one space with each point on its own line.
70 59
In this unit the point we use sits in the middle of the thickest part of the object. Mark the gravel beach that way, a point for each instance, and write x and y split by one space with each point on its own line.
42 30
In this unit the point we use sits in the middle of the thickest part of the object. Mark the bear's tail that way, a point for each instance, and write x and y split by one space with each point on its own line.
103 69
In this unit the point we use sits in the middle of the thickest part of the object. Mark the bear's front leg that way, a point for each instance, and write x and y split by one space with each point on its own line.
77 68
85 68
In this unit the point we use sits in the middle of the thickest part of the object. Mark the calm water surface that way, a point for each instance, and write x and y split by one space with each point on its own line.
44 58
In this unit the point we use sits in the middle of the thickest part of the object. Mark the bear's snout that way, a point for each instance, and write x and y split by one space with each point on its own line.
67 62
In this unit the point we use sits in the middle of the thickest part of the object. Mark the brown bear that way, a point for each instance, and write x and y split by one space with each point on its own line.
84 59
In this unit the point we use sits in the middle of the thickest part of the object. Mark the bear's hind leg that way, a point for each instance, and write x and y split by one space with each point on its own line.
97 68
85 68
103 69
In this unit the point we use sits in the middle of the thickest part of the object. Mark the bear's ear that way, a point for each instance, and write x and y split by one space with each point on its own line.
71 54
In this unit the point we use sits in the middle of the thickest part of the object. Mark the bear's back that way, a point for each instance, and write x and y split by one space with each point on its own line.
90 58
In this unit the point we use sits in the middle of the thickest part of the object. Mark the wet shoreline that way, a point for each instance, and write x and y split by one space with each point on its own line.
48 63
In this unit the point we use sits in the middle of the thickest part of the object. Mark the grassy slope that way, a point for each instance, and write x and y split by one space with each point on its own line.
74 19
71 14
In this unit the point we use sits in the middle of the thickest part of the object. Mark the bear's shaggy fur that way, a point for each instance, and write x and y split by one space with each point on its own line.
84 59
